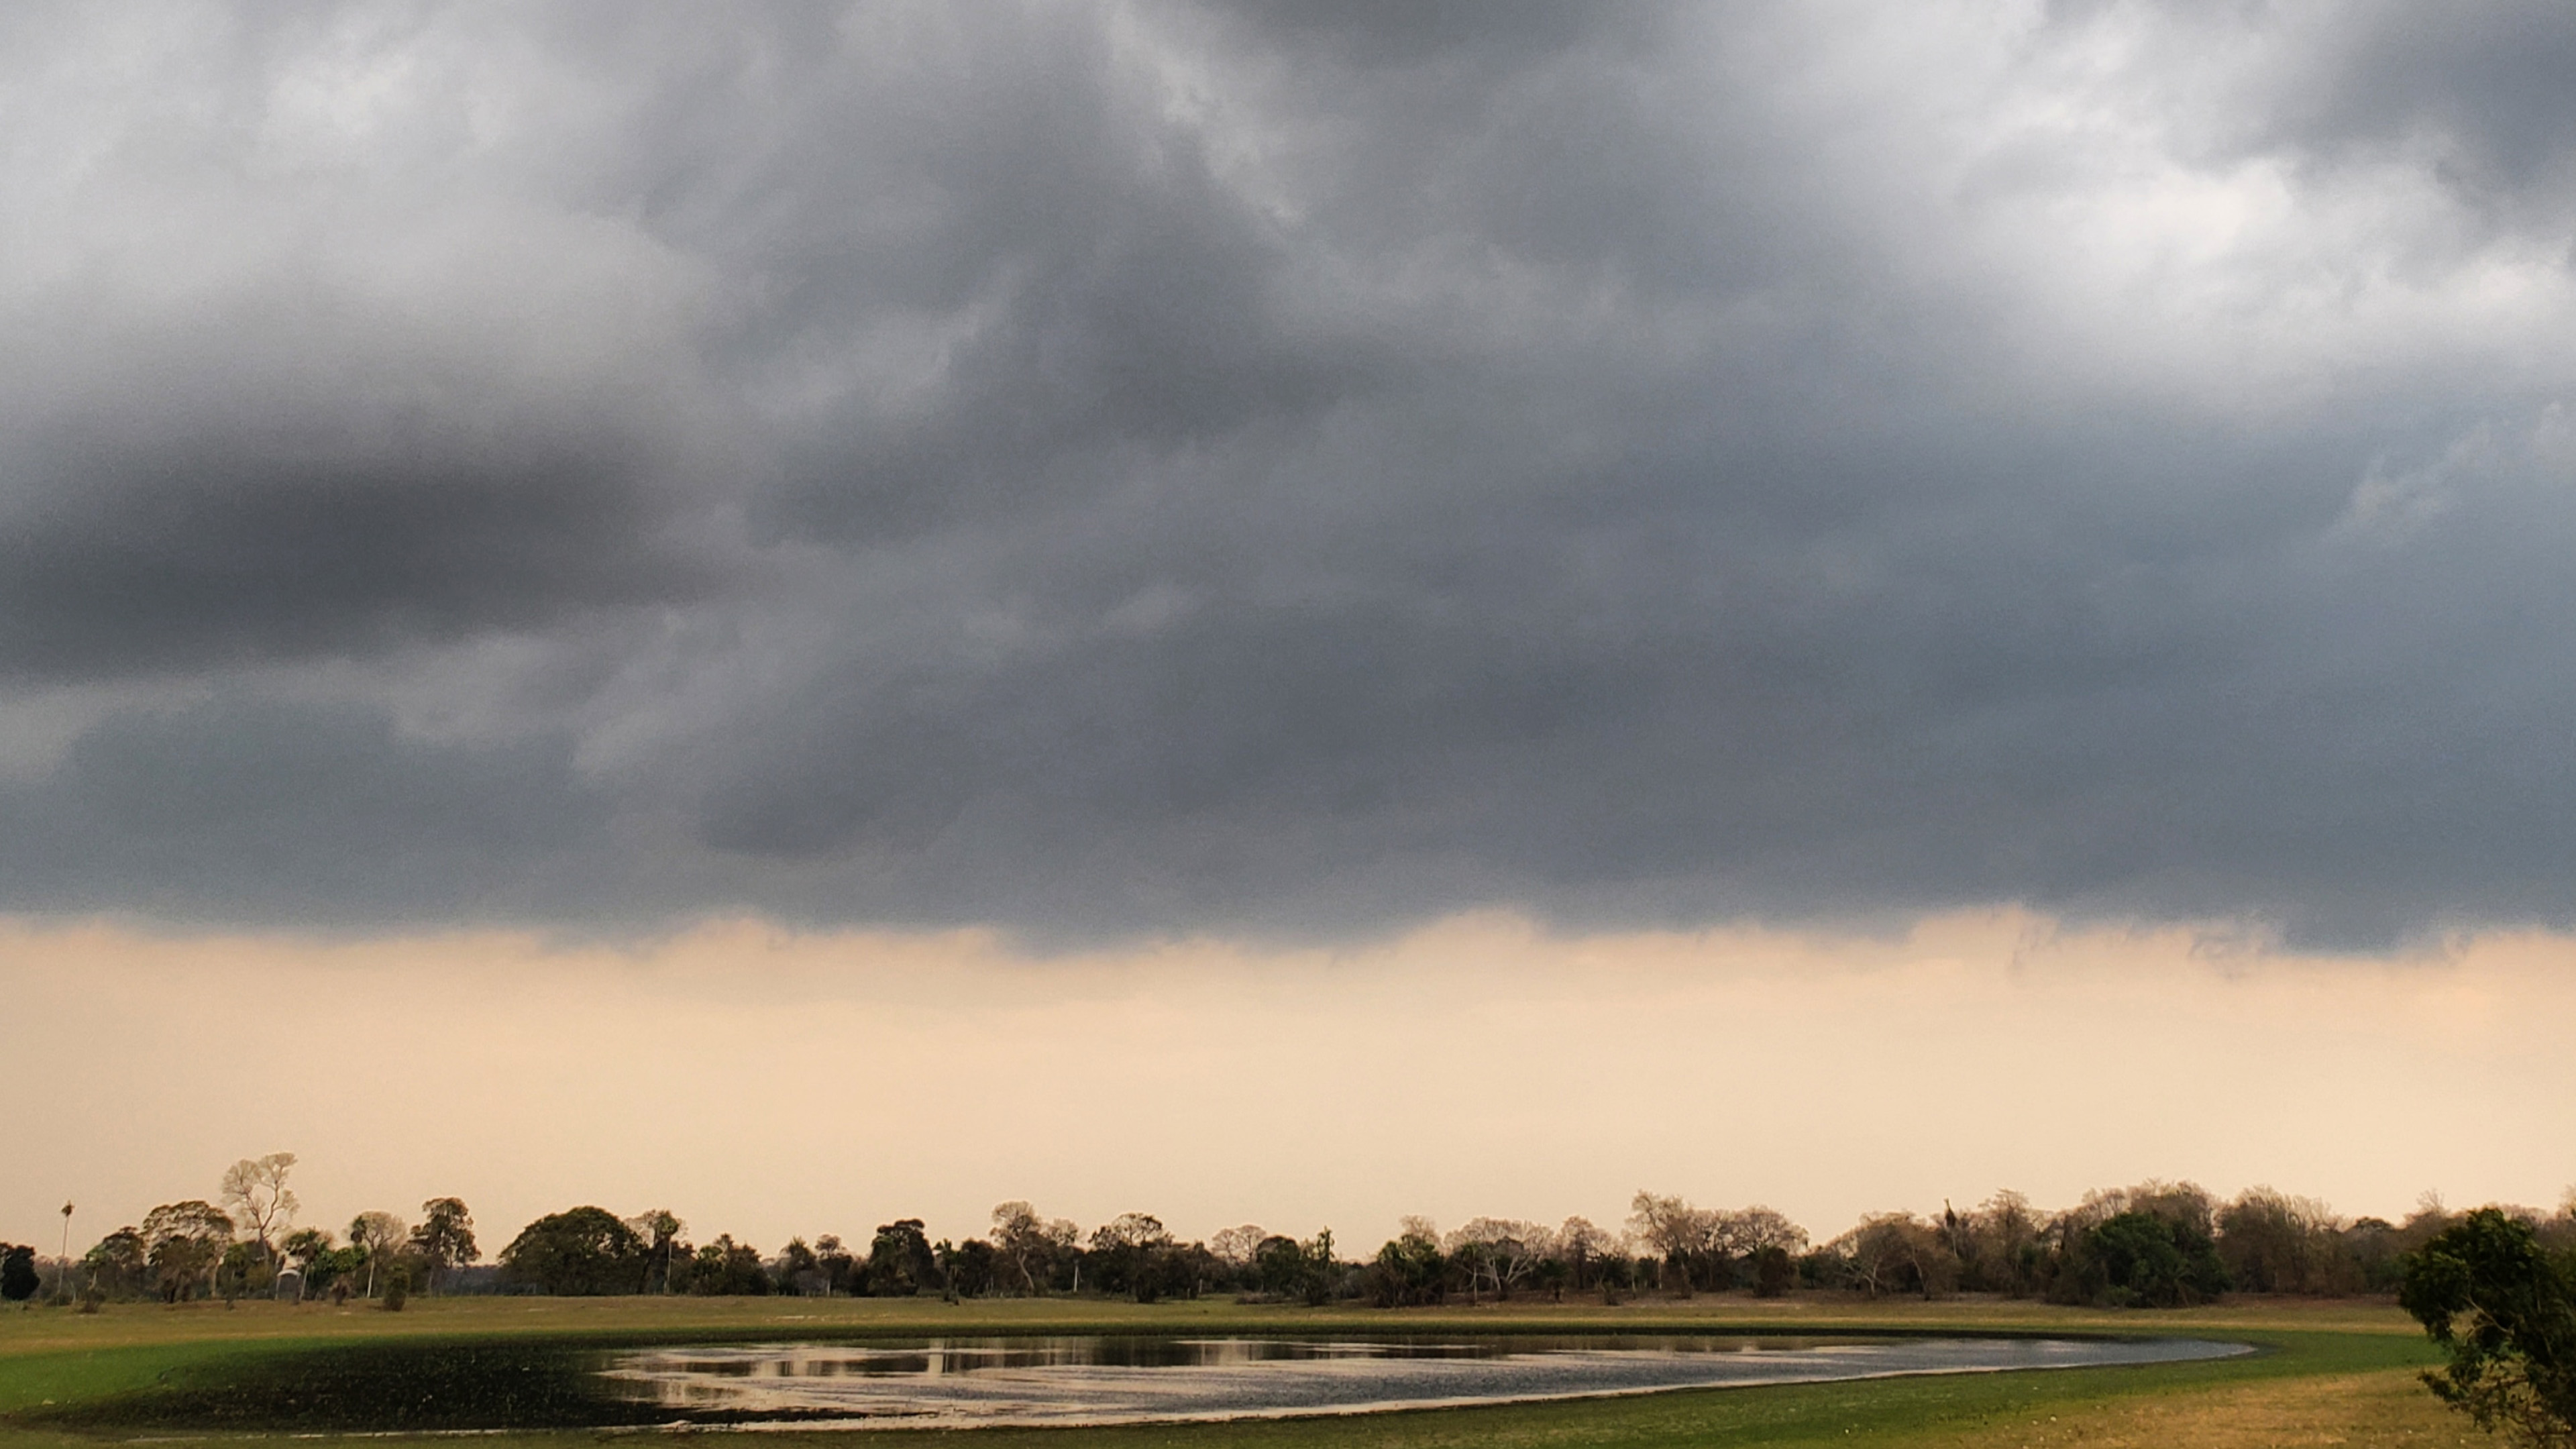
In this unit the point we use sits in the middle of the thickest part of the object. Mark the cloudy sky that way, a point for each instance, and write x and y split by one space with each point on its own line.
1097 482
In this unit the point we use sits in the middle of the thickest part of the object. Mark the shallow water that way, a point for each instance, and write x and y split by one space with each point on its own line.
1110 1380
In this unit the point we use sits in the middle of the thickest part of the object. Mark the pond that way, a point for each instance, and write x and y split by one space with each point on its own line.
964 1383
501 1382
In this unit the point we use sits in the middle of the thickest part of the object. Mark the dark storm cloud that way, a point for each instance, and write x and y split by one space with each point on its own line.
322 814
2481 88
1294 467
217 548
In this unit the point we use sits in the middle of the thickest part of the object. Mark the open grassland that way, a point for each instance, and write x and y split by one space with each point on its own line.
2334 1373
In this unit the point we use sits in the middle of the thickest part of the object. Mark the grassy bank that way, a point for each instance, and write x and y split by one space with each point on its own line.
2333 1373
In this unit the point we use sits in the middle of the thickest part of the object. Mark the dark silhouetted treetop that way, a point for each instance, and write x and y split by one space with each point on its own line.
2164 1262
184 1242
19 1279
583 1250
445 1237
900 1261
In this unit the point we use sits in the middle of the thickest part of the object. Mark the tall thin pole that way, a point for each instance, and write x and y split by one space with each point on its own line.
63 1263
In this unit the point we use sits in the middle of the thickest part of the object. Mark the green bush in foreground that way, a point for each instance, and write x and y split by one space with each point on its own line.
19 1279
2504 1309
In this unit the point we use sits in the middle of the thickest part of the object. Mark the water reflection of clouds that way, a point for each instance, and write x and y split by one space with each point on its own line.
1107 1380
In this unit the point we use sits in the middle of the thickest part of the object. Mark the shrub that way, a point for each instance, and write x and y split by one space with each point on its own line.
2505 1310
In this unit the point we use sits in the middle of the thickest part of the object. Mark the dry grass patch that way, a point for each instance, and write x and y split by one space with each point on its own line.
2362 1411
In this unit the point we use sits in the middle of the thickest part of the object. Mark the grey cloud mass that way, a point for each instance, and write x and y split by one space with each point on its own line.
1289 468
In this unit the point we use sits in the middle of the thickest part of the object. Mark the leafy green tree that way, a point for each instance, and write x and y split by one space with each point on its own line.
840 1270
583 1250
2504 1309
1409 1268
1128 1254
445 1238
968 1269
337 1269
900 1260
1190 1270
243 1269
1552 1275
2159 1261
1773 1272
307 1249
1279 1266
660 1228
727 1269
184 1242
1322 1270
2377 1254
798 1270
119 1264
19 1279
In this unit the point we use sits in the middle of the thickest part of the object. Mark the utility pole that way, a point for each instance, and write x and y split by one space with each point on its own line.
63 1263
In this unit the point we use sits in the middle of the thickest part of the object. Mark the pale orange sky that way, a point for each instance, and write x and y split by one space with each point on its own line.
768 1083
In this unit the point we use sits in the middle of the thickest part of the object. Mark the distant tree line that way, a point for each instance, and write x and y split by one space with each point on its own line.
249 1246
2156 1244
587 1250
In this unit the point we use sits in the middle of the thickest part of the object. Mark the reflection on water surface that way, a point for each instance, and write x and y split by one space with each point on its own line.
1110 1380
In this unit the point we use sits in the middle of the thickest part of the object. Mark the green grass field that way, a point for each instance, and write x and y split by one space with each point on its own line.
2333 1373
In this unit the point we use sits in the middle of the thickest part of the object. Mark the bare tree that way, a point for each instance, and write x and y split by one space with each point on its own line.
1680 1233
256 1191
2273 1242
1888 1251
1033 1245
1064 1242
1744 1232
1874 1252
1022 1237
1583 1245
1503 1250
1234 1246
1999 1243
